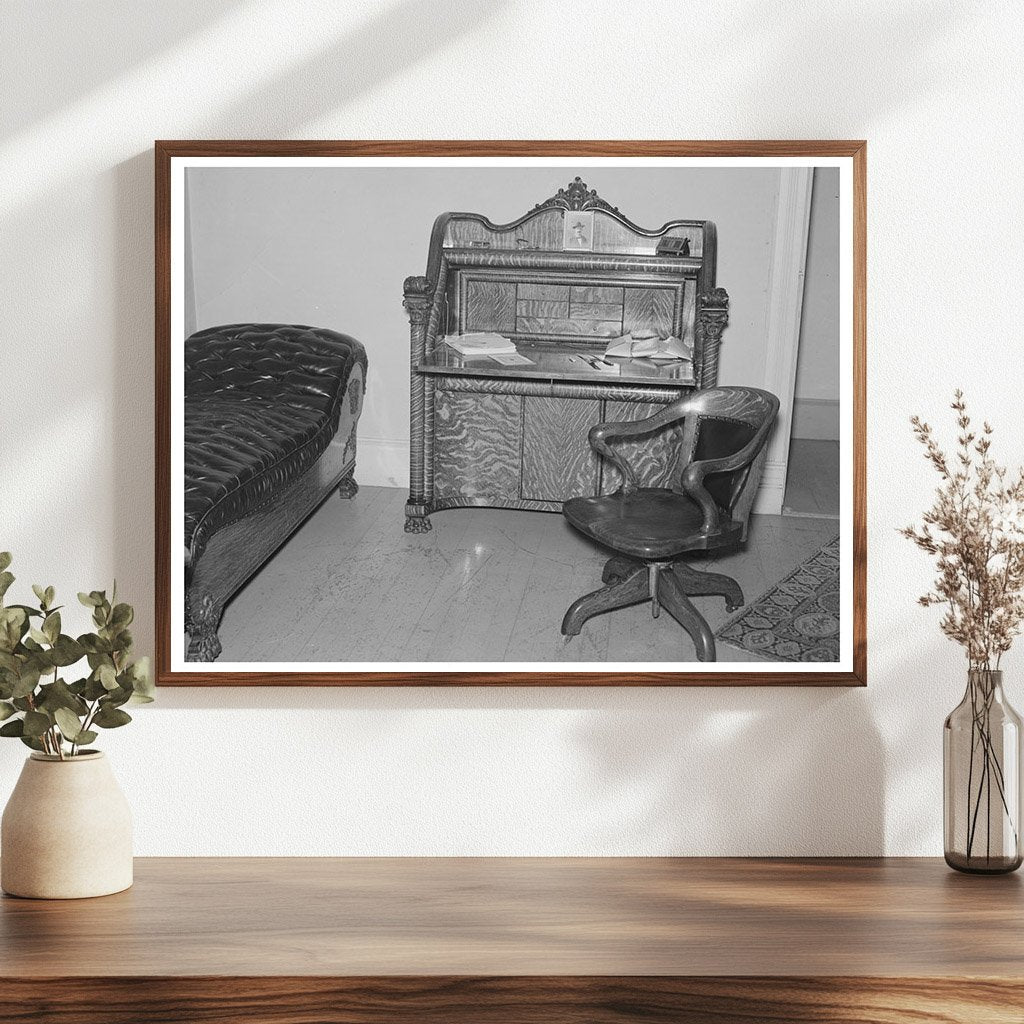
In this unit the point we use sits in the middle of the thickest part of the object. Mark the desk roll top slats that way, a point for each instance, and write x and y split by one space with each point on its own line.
515 437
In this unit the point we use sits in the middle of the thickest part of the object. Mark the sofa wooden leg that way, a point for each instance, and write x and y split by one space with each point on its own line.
348 488
203 614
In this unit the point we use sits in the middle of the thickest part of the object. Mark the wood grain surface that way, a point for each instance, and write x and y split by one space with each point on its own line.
871 941
557 461
687 917
477 444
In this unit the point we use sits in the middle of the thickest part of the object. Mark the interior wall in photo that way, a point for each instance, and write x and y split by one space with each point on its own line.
816 399
331 247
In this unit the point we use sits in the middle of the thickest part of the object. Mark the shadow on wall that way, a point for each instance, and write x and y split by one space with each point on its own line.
406 32
729 771
395 38
674 772
813 58
88 29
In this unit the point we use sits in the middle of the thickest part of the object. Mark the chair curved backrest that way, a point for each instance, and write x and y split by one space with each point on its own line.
720 422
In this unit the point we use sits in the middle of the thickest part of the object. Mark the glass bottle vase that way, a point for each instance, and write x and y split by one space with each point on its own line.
981 770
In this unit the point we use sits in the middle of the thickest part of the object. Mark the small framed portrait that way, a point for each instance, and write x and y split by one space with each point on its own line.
578 230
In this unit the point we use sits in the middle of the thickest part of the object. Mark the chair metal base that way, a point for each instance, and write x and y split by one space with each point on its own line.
668 585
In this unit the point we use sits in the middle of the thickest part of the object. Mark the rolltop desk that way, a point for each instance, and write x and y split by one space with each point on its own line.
484 434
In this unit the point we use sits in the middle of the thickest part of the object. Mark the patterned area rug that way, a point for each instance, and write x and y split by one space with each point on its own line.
798 619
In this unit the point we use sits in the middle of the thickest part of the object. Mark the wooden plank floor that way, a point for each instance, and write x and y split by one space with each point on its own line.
483 585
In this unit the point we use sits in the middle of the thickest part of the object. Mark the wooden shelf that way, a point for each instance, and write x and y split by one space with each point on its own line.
507 940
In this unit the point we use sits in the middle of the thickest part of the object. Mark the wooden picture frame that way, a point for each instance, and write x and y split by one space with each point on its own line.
170 159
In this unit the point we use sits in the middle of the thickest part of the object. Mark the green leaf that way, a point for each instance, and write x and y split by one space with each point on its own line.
28 680
13 728
115 698
94 689
50 594
31 741
36 723
38 635
122 616
5 559
142 681
89 600
59 695
66 651
6 579
6 710
107 676
69 724
109 717
86 736
13 626
40 593
51 626
28 610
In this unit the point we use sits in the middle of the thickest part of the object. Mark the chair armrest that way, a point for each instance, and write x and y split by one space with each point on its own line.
694 474
600 435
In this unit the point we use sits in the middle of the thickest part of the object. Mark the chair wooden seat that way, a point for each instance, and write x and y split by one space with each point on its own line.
650 524
721 453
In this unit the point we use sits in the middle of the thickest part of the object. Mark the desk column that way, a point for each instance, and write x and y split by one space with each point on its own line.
417 302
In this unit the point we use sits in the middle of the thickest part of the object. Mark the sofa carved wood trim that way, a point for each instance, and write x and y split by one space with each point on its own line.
271 416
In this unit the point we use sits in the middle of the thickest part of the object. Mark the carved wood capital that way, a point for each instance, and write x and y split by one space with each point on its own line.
417 298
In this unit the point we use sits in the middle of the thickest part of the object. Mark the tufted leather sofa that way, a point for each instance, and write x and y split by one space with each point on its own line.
262 404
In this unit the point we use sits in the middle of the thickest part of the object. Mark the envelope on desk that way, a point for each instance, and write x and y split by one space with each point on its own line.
656 349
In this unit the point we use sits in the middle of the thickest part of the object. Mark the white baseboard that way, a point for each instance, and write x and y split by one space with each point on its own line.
815 419
382 462
772 490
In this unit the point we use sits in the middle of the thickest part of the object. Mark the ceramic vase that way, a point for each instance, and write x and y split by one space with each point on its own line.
66 831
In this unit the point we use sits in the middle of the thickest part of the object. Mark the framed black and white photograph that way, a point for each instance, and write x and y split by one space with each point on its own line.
547 413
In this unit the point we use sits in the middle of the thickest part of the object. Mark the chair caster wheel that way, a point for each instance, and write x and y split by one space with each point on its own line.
733 607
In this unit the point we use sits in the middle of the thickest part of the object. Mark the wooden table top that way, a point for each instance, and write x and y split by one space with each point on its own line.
527 916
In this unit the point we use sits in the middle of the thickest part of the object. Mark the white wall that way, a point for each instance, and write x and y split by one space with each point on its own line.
332 247
86 89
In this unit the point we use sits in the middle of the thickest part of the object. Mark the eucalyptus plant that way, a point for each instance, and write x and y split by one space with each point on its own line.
37 705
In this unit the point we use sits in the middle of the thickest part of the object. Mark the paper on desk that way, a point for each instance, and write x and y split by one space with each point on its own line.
655 349
480 343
